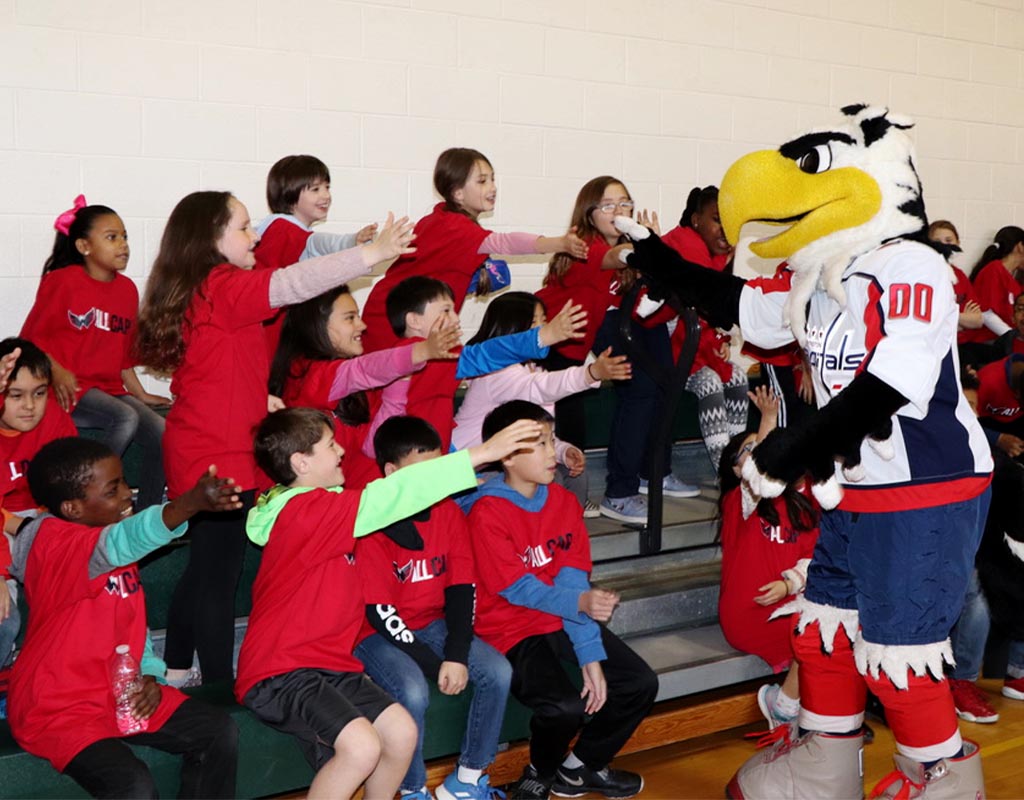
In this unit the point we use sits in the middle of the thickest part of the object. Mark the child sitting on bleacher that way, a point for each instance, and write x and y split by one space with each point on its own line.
296 670
419 303
536 605
29 418
515 312
766 549
10 619
421 572
78 565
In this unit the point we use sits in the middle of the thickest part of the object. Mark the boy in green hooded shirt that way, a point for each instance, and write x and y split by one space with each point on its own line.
296 670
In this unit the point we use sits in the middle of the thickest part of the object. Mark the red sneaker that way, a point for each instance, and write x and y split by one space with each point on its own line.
971 703
1014 688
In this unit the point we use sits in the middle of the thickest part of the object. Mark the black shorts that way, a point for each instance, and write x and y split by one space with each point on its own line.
314 705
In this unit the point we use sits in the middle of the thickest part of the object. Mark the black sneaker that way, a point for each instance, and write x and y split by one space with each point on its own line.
612 783
530 786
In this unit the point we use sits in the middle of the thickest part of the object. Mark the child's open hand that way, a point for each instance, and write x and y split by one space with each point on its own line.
520 434
767 402
575 461
366 234
611 368
452 678
574 245
394 239
209 494
439 344
65 386
771 593
7 367
147 698
566 324
595 688
598 604
650 220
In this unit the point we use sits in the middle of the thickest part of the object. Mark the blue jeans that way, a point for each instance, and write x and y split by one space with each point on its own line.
123 420
970 633
8 628
400 676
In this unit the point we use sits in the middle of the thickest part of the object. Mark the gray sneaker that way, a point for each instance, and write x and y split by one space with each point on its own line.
632 509
671 486
948 779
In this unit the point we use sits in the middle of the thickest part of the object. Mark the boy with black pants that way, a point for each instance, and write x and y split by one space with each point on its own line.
535 605
78 563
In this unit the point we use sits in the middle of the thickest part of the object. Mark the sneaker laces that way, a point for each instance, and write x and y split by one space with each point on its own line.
893 777
488 791
771 737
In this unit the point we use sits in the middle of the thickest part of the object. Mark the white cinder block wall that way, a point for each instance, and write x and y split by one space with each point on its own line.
137 102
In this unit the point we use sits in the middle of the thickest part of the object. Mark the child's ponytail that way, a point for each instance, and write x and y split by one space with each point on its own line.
696 201
1005 240
72 225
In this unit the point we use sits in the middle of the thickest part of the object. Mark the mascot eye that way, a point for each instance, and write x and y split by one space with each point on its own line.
817 160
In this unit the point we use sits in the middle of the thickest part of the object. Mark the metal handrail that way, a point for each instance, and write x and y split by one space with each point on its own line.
672 383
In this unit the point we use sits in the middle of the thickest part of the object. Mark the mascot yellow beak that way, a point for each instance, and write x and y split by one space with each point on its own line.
765 186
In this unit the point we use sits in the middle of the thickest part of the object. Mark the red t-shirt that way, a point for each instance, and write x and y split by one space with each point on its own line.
18 449
996 400
60 698
447 248
687 242
220 388
307 602
965 293
413 581
995 289
280 246
432 395
309 385
755 553
586 284
86 325
510 542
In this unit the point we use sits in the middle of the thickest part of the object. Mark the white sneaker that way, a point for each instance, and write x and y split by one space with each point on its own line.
591 510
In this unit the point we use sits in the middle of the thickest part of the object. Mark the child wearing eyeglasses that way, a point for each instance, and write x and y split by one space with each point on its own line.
766 548
598 283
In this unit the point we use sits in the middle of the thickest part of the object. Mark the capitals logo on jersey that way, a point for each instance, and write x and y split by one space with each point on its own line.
101 320
535 556
421 569
123 584
777 534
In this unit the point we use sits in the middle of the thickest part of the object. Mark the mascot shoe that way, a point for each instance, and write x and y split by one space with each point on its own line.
948 779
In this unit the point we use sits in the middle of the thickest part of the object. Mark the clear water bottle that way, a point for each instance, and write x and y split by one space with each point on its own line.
125 681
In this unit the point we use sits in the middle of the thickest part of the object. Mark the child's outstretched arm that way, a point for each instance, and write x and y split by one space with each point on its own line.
525 243
418 486
307 279
140 534
767 403
531 345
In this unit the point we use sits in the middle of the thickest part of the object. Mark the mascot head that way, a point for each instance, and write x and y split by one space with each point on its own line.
839 192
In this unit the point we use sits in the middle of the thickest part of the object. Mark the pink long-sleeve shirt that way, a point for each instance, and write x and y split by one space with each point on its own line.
516 382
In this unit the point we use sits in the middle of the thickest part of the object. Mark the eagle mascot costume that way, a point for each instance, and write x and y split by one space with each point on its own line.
894 452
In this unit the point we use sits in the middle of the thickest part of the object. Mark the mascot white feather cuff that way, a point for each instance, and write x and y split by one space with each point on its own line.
894 450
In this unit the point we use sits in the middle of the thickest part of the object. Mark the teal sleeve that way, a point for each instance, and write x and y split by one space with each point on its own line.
127 541
412 489
500 352
151 663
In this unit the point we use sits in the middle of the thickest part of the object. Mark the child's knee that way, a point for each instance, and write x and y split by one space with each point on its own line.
397 730
565 712
414 695
358 747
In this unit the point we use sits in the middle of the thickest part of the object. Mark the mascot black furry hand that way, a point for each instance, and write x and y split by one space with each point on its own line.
873 308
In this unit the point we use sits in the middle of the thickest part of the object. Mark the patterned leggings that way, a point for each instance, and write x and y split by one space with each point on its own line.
721 407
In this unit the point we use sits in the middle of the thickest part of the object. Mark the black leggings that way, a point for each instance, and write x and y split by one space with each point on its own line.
540 682
206 738
201 618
